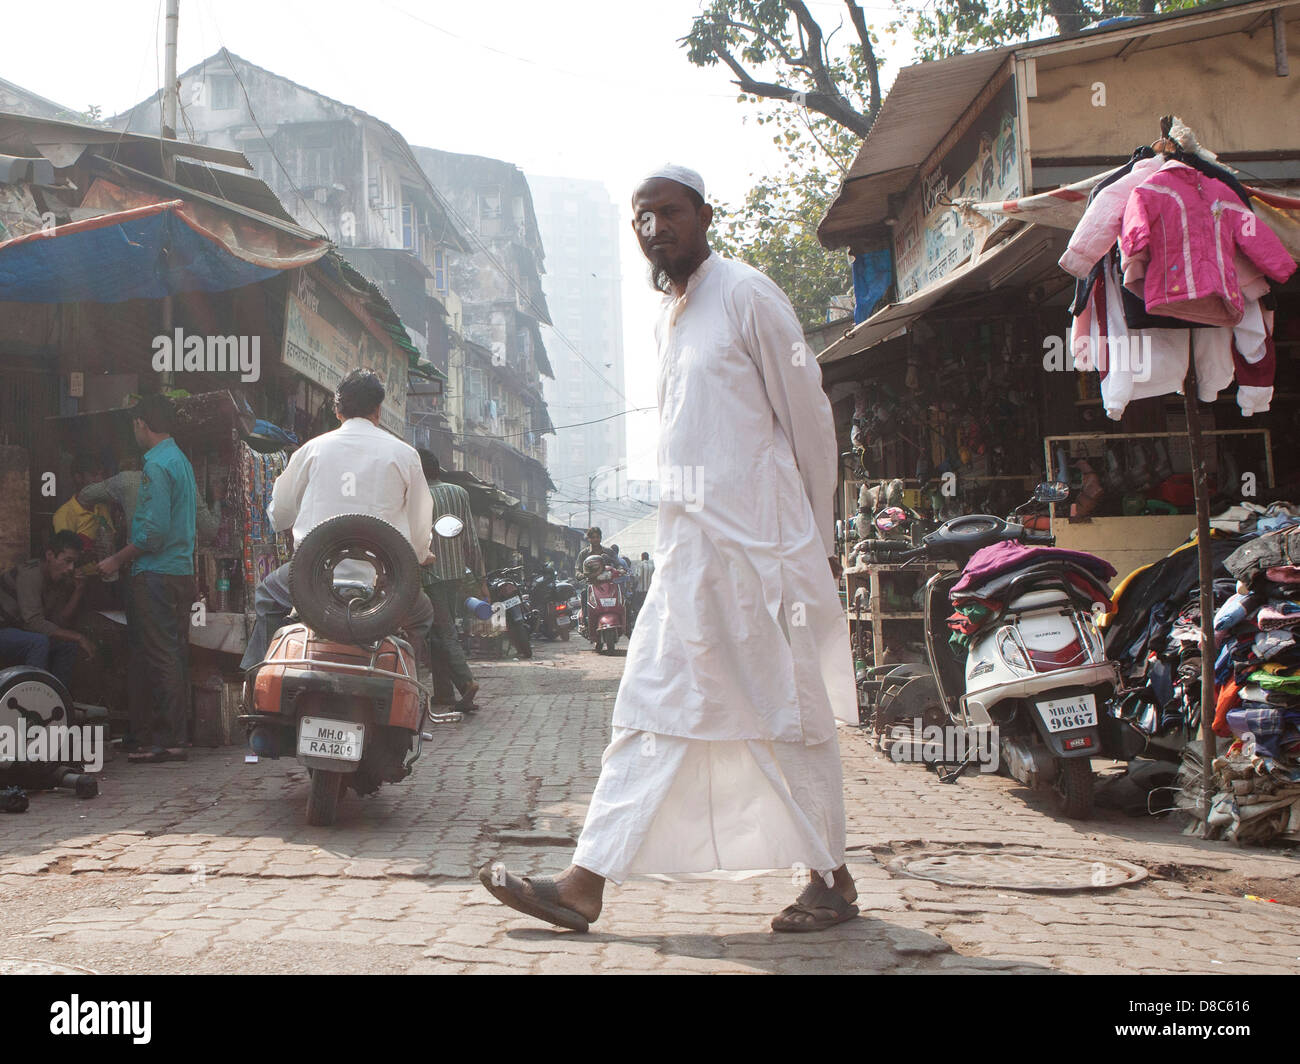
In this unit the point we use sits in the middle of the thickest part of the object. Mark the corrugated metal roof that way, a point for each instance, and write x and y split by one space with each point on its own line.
923 104
34 134
136 177
927 99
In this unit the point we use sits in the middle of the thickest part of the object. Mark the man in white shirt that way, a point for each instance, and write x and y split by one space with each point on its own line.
740 665
358 468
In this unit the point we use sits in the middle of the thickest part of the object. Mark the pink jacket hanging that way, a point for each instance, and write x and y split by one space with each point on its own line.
1189 227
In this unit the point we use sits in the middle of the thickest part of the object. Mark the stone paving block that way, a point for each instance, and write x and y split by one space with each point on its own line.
249 931
320 919
452 951
185 944
305 934
120 936
426 967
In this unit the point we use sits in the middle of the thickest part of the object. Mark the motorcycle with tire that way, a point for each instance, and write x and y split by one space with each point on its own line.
339 687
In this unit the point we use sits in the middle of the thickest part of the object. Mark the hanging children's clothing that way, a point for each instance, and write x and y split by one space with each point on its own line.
1181 232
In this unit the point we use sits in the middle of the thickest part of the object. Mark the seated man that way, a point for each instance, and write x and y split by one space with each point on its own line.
358 468
39 600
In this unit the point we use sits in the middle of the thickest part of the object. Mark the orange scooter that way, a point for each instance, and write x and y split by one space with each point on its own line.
340 688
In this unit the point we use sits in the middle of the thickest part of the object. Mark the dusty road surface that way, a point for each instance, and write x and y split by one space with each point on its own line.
208 866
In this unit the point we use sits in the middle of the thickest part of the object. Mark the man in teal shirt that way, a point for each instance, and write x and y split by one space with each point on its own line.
160 551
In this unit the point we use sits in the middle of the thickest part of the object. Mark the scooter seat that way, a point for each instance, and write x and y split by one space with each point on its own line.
1038 600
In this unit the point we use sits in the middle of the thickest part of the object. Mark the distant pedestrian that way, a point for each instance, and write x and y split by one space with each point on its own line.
455 569
160 552
642 572
123 489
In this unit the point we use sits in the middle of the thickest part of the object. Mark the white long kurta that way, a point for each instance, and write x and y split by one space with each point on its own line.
740 648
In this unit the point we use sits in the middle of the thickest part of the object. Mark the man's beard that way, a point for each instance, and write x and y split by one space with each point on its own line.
659 279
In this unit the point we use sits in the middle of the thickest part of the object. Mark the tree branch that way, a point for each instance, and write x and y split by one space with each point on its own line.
831 104
869 55
758 31
814 47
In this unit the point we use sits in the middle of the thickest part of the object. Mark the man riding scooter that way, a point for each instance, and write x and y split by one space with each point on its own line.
358 468
592 549
605 604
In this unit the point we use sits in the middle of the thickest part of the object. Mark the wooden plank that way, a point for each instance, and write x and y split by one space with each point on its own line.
15 507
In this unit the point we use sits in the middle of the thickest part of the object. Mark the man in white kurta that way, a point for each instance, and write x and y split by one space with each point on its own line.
724 757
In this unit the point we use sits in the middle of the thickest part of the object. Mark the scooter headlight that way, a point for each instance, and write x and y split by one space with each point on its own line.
1011 651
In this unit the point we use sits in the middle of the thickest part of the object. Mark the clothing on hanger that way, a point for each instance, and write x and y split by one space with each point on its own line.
1181 231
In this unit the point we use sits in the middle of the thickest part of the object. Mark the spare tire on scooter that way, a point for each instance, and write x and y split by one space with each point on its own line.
343 617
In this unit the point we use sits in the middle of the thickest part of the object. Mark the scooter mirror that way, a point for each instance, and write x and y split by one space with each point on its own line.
448 527
1052 491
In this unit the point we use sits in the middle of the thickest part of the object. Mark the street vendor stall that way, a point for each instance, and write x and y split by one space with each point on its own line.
1197 319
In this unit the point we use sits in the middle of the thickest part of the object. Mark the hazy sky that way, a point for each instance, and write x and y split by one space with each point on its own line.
597 89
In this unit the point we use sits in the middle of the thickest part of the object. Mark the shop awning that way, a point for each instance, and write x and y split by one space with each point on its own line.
146 252
990 270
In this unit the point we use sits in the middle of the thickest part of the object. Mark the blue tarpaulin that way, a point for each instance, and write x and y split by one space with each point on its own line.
144 253
873 273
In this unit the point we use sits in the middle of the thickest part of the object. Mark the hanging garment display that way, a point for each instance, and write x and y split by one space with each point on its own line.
1180 232
1183 240
264 549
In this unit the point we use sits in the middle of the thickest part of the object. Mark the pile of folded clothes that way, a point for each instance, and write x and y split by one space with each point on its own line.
998 574
1257 797
1257 676
1247 517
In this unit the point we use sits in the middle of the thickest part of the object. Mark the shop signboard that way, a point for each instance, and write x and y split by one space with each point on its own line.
324 341
930 238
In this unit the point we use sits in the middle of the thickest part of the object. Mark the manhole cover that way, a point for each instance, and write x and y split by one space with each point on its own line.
22 966
1019 870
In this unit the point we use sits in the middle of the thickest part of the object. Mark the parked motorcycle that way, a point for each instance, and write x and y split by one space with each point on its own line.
549 597
1035 678
606 606
339 688
506 589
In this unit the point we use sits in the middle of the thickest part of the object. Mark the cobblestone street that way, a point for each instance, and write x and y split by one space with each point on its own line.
208 866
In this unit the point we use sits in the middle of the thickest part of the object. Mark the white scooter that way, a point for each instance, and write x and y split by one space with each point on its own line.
1033 681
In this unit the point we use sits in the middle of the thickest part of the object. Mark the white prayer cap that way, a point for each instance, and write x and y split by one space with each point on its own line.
681 175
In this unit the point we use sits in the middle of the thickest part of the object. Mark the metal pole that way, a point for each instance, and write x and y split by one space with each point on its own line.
169 85
169 93
1209 748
